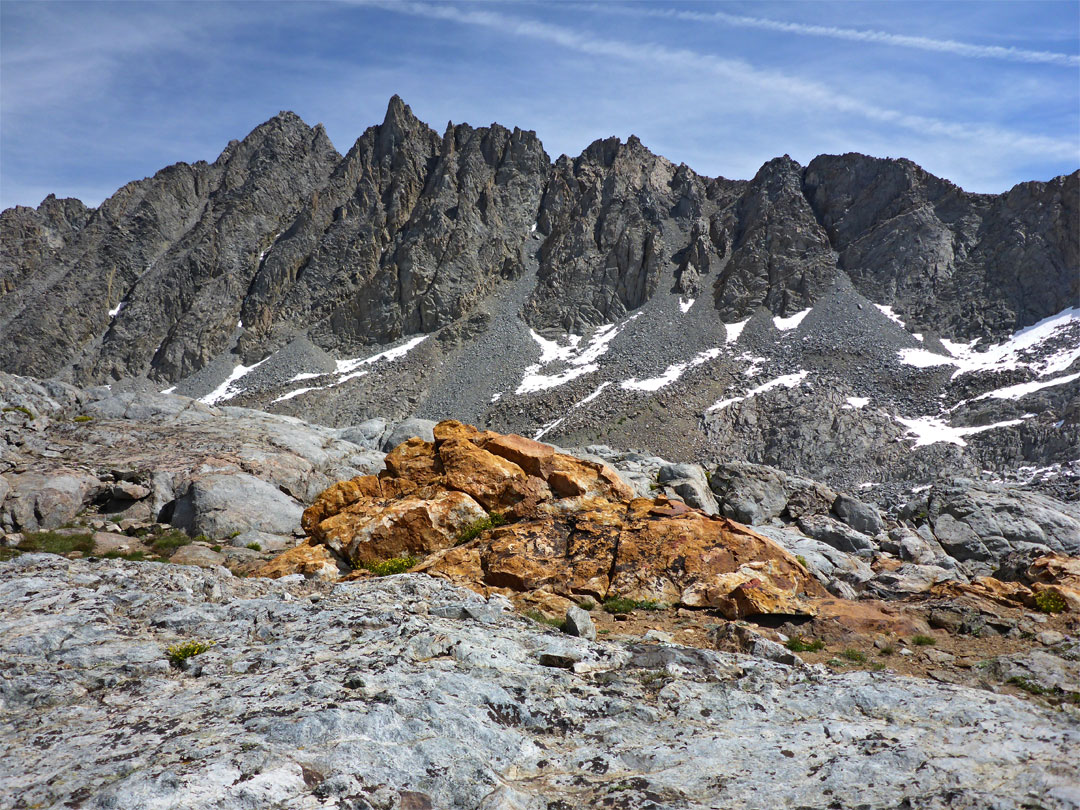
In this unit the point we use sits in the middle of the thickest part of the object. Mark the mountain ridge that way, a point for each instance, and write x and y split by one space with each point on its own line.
420 274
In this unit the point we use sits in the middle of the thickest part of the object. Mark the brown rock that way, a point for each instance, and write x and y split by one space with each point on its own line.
533 457
372 530
415 460
492 480
336 498
313 560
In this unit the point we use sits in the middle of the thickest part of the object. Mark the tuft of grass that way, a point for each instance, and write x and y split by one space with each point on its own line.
923 641
254 546
802 561
9 554
168 542
179 653
20 409
475 529
888 649
1053 692
796 644
851 654
134 556
395 565
56 543
587 604
1050 602
620 604
540 618
215 548
877 666
83 418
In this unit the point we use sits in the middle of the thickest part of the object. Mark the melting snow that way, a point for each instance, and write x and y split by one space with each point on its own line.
685 305
345 366
593 395
931 430
1012 353
533 228
855 403
351 369
227 390
496 397
116 310
298 392
1023 389
670 375
892 316
733 330
786 324
547 428
583 360
786 381
169 390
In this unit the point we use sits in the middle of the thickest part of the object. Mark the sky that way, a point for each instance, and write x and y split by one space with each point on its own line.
986 94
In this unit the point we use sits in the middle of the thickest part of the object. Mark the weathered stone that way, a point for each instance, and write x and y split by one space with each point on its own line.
39 501
312 561
197 555
579 623
836 534
858 515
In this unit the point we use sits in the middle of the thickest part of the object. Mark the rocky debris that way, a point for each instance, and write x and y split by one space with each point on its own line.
314 691
978 524
689 483
572 528
836 534
579 623
149 457
754 493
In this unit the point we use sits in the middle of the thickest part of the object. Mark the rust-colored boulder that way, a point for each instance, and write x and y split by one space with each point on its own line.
371 530
338 497
415 460
490 479
313 560
574 529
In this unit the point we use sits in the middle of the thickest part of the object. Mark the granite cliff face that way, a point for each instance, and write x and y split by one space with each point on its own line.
614 298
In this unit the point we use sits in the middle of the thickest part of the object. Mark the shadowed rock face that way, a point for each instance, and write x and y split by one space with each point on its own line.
406 232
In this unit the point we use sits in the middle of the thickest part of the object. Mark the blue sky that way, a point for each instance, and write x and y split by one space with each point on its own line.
93 95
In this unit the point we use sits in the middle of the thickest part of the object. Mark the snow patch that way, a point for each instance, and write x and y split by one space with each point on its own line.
305 376
733 330
787 324
892 316
932 430
671 373
685 305
1023 389
345 366
786 381
298 392
116 310
495 397
856 403
228 389
548 428
1019 351
592 396
582 360
169 390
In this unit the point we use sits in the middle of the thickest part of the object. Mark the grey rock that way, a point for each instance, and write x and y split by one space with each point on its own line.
828 564
195 554
219 504
858 515
836 534
266 540
403 431
313 700
579 623
689 483
127 491
984 523
46 500
908 579
755 493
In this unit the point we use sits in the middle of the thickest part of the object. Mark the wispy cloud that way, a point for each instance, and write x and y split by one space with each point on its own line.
737 73
949 46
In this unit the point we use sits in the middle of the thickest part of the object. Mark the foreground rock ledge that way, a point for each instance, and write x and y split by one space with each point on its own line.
573 529
408 692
